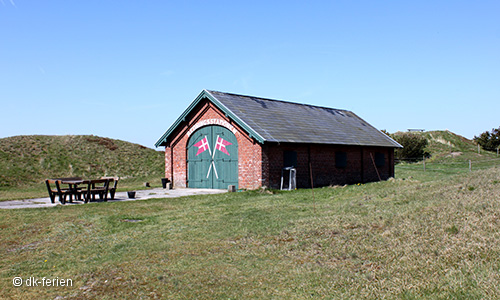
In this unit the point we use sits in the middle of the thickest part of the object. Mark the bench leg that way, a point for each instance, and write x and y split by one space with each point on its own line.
62 199
52 197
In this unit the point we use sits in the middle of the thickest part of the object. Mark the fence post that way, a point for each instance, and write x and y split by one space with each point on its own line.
424 163
478 149
497 151
470 165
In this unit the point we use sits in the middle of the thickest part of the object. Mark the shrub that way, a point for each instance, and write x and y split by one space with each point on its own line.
489 141
413 146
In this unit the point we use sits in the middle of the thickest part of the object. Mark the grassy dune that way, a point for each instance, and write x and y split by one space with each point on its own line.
26 161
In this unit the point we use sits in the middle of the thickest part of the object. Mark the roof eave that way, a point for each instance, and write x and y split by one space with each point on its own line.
252 133
162 141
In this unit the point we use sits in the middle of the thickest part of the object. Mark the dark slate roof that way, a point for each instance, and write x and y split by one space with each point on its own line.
280 121
270 120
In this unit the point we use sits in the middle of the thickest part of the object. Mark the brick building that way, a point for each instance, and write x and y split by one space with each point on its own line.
226 139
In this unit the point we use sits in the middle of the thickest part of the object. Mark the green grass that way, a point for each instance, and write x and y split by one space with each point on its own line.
413 237
422 235
436 170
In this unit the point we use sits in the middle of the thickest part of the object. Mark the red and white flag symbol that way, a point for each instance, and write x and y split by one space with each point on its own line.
221 145
202 146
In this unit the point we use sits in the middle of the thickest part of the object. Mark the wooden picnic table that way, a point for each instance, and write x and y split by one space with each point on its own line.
78 187
88 188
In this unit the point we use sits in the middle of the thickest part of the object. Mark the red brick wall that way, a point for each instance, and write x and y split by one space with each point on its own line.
249 151
360 167
249 163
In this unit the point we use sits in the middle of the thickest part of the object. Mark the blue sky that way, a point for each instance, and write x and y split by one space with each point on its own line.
127 69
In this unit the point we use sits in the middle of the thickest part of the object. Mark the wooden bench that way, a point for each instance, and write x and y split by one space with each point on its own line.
96 187
58 191
112 189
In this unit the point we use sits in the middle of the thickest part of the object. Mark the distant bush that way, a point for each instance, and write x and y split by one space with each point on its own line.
413 146
386 132
489 140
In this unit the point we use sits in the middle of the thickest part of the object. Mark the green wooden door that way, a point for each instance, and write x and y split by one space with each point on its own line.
212 158
198 162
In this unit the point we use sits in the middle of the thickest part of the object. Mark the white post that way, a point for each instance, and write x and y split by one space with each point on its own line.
478 149
424 163
470 165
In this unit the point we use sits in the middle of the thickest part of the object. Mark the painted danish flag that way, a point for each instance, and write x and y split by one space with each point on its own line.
221 145
203 146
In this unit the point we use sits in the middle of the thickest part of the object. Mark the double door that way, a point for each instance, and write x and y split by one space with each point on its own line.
212 158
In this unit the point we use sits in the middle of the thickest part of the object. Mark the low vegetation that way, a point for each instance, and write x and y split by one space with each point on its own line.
489 140
413 146
443 143
405 238
26 161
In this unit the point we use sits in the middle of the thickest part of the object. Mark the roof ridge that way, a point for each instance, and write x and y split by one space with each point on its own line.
278 100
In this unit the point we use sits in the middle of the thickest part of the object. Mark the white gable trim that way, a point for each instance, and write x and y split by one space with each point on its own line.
207 122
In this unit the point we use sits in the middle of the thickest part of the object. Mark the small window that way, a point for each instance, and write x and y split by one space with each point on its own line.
340 159
289 159
379 159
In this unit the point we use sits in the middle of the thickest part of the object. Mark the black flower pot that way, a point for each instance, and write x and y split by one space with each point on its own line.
164 182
